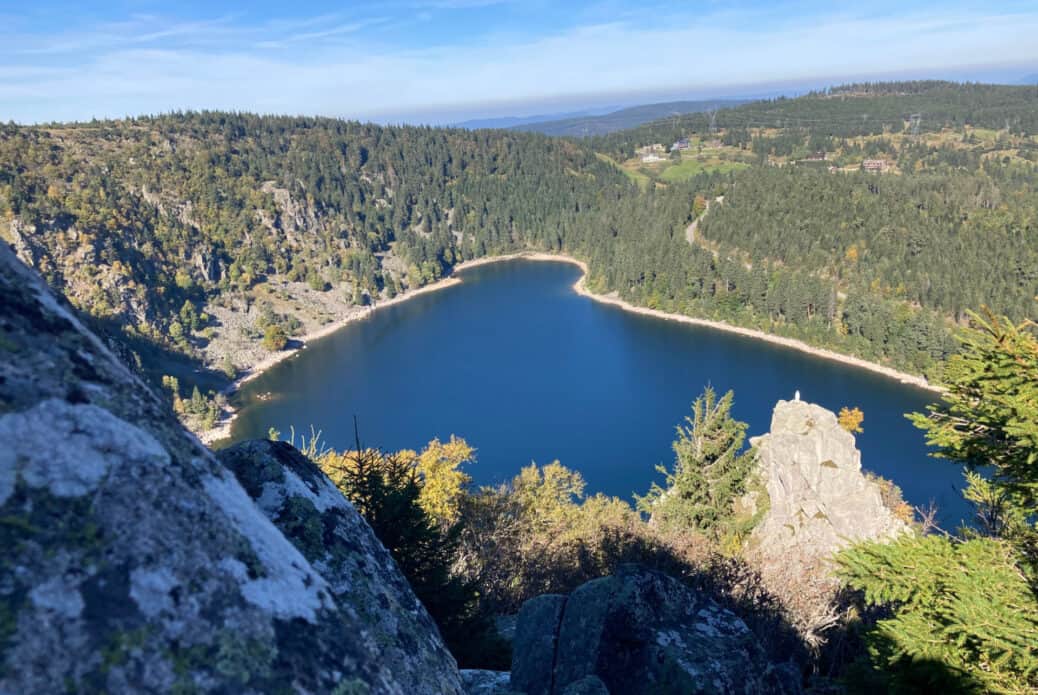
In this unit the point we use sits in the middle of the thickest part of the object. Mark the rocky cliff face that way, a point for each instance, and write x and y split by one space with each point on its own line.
133 561
819 498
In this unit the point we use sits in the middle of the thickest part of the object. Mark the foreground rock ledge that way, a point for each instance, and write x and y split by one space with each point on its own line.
361 575
133 561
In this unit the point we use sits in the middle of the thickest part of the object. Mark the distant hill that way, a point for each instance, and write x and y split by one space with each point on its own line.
506 122
587 125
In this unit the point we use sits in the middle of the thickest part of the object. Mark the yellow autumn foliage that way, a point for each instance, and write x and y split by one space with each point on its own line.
850 419
443 483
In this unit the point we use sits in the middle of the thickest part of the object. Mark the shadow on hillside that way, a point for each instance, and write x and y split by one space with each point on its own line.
151 360
513 564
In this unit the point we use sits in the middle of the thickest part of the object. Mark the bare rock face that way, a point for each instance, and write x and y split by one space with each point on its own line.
133 561
639 631
819 498
362 576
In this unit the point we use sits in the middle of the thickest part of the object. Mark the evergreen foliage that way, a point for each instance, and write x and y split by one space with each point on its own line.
988 420
965 609
710 470
964 620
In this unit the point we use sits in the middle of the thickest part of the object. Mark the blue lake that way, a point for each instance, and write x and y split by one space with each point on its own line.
526 370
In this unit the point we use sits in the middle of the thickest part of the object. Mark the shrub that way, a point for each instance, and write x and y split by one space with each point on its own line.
274 338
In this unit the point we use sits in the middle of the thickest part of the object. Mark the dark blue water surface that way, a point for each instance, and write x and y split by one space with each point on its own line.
526 370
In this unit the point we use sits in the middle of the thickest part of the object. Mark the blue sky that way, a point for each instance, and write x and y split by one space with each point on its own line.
443 60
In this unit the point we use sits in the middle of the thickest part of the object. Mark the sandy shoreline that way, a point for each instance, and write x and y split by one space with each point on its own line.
223 428
580 288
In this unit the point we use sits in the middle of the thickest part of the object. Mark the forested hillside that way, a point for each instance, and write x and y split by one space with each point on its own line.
855 110
915 237
198 233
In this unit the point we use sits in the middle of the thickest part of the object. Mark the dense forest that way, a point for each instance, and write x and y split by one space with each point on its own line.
156 225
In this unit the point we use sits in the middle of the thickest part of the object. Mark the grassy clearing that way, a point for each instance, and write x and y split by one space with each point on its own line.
693 166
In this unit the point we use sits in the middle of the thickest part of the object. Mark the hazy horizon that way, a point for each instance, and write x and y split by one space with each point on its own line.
447 61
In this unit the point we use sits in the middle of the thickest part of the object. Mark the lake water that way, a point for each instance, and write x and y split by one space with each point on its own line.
526 370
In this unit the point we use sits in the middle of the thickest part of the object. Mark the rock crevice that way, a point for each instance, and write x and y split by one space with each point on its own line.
638 631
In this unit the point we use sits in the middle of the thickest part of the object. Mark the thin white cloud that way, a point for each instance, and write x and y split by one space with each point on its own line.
228 65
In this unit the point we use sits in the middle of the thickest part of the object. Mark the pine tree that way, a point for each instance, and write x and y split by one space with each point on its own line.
710 470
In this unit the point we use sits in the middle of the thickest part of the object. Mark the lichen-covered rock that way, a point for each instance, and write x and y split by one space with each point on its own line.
361 575
533 646
819 499
481 682
640 631
132 560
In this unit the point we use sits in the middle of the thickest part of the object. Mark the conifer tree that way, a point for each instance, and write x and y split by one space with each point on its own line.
386 490
989 419
710 470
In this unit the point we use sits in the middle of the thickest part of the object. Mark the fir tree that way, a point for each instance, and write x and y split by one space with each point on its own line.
710 470
989 419
386 489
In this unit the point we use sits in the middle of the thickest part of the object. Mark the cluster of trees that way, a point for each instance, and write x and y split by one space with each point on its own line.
275 328
933 239
192 205
411 502
474 554
197 409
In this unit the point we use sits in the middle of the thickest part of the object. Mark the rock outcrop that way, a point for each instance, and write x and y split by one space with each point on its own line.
819 499
133 561
638 631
